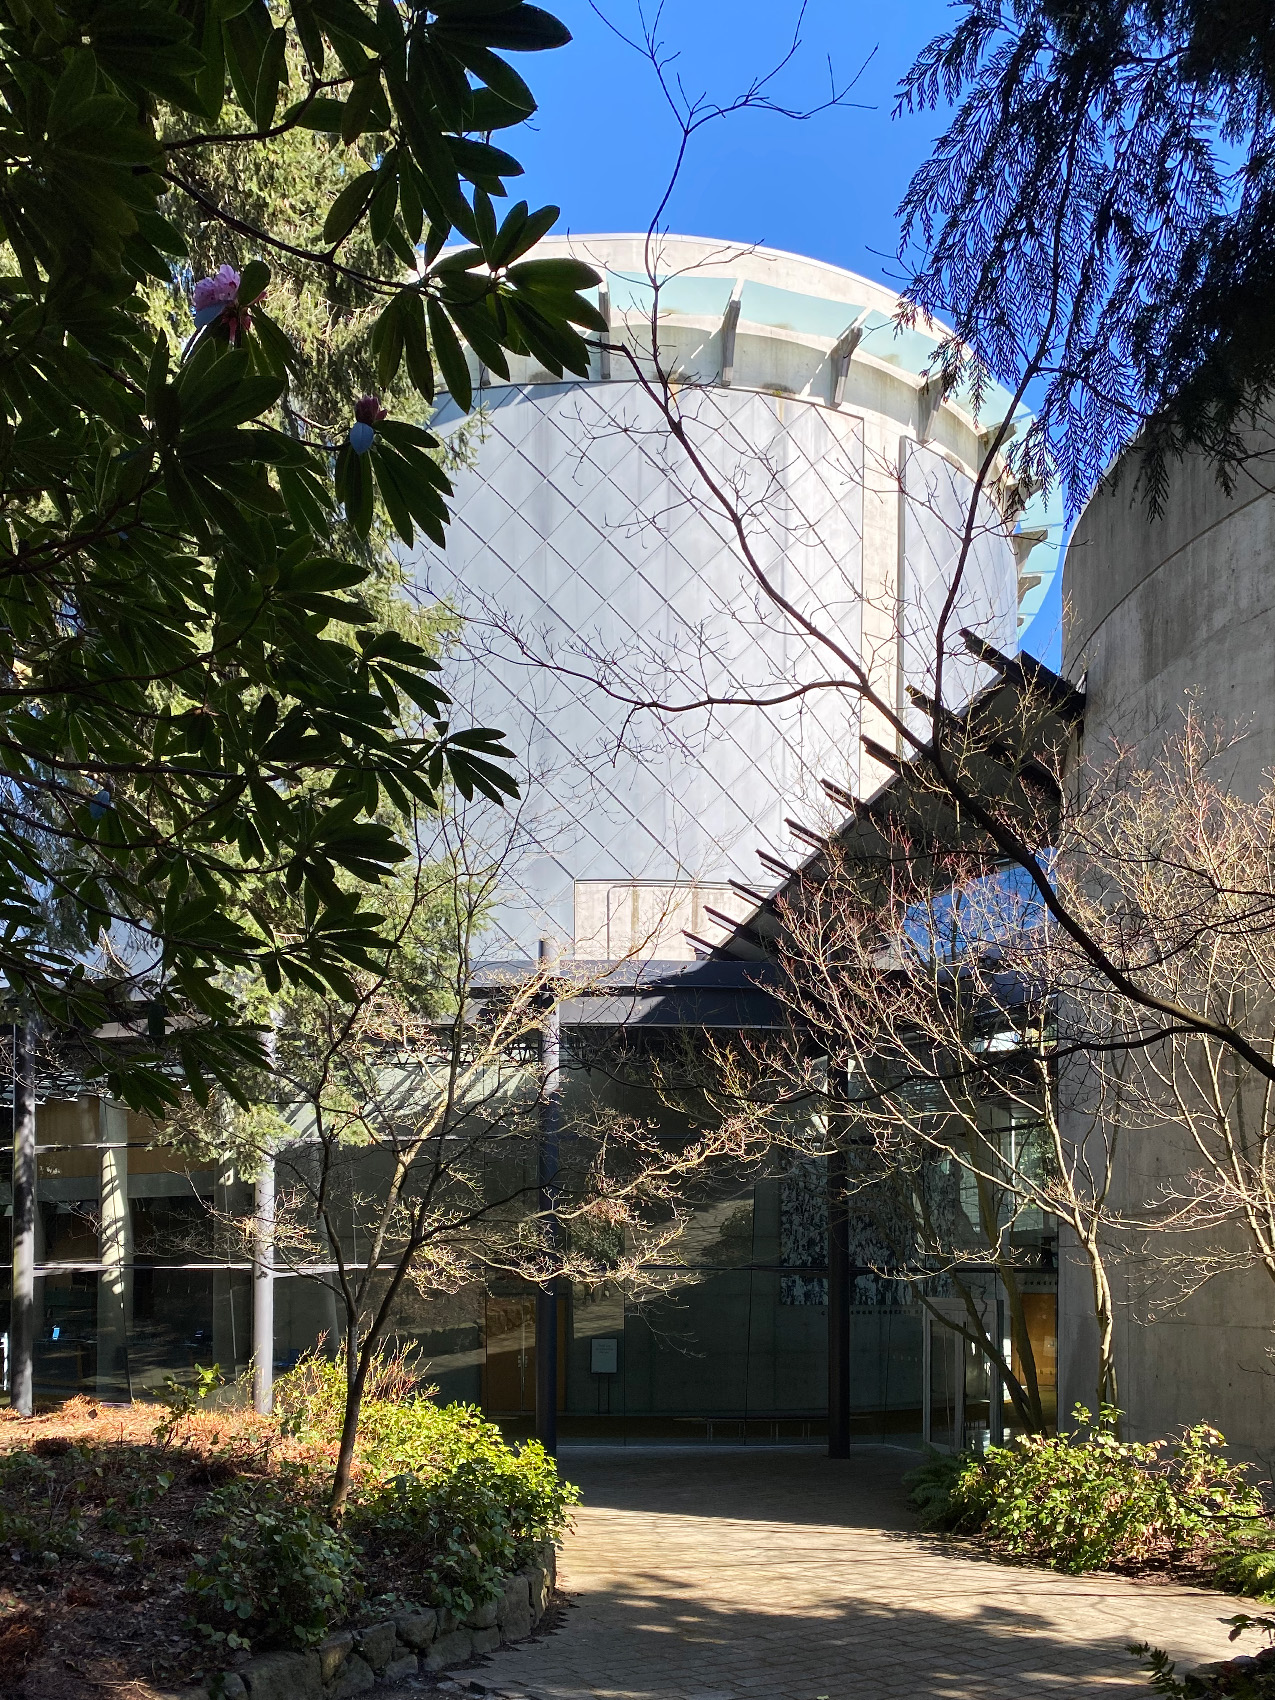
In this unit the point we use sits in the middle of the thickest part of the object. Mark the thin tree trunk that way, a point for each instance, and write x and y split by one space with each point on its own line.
1104 1313
358 1363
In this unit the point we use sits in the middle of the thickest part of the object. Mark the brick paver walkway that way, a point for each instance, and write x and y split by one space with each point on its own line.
760 1574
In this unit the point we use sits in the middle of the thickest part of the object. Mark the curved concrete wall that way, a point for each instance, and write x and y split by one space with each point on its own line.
1158 610
1156 607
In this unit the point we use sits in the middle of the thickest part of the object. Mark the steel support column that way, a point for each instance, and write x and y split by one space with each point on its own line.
22 1313
263 1288
115 1251
839 1280
550 1126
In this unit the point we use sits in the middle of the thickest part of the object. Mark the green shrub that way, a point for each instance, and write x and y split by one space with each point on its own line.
1247 1565
930 1487
41 1505
1098 1502
279 1573
458 1506
1244 1676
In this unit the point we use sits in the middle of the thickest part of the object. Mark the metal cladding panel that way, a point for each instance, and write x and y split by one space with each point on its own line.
936 499
591 571
595 573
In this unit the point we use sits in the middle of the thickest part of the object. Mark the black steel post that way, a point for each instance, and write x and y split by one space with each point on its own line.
550 1122
22 1312
838 1269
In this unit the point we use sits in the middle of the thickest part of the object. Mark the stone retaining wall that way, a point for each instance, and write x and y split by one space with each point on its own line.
415 1639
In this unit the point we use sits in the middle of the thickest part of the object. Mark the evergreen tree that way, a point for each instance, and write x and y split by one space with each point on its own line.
1100 216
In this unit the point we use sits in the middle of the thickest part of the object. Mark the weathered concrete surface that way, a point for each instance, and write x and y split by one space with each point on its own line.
1159 612
1157 607
783 1575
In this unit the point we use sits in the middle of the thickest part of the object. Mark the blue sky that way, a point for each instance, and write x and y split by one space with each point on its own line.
603 143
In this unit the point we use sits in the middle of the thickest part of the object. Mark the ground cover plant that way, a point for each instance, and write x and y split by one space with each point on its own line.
1088 1500
148 1552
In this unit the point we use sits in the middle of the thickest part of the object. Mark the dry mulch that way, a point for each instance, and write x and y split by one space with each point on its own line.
111 1615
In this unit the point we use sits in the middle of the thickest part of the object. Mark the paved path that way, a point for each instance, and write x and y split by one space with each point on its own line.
760 1574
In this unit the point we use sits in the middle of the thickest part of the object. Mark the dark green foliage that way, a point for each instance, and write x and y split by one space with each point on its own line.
439 1490
1096 1503
42 1507
1247 1566
202 708
280 1572
1099 215
930 1488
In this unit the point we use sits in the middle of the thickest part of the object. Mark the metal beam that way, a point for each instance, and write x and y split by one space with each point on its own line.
841 354
263 1288
115 1248
547 1344
22 1316
730 324
604 351
929 401
839 1276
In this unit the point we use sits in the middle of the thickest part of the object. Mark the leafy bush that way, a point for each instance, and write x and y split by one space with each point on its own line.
280 1572
930 1487
1248 1564
459 1506
1099 1502
42 1508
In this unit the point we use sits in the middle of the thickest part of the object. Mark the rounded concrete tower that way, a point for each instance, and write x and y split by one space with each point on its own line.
1159 611
597 569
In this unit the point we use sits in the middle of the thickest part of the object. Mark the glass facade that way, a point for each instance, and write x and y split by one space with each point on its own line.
140 1276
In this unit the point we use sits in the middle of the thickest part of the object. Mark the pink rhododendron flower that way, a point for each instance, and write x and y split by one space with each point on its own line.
219 289
216 298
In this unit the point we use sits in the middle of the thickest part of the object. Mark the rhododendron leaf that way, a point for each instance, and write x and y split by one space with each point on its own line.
321 113
348 207
450 356
253 282
270 79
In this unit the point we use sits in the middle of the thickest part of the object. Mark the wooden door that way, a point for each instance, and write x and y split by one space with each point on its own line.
509 1371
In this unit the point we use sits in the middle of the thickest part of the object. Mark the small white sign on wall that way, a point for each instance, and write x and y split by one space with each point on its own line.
604 1356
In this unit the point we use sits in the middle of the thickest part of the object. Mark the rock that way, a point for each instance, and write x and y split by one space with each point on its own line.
538 1587
333 1651
483 1616
514 1597
486 1640
416 1628
513 1609
376 1643
283 1676
517 1625
233 1686
450 1649
1201 1679
398 1670
547 1559
356 1677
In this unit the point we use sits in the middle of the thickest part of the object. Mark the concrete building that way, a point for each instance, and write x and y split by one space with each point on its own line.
1159 610
593 569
